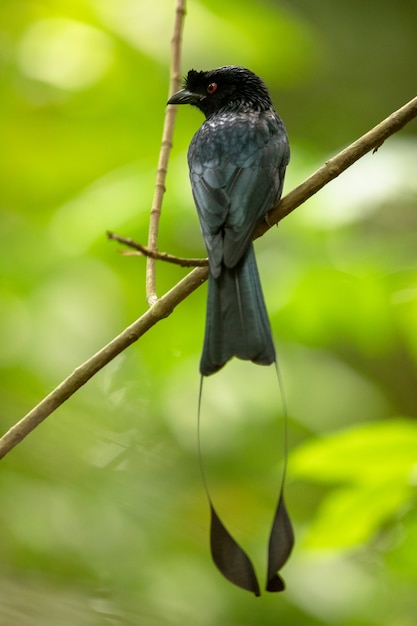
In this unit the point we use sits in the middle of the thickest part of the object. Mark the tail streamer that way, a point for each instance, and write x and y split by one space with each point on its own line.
228 556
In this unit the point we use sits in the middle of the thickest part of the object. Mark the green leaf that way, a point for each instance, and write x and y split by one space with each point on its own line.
374 453
351 516
376 463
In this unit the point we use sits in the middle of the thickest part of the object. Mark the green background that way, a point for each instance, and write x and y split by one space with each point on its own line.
103 517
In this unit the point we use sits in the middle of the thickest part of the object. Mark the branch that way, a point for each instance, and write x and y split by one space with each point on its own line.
372 140
164 307
82 374
166 146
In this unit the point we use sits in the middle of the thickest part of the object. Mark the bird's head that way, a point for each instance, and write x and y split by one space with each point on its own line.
225 88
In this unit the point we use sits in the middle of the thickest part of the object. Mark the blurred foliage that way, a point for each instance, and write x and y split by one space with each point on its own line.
103 517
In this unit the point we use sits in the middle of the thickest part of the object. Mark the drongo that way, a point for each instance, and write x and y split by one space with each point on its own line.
237 161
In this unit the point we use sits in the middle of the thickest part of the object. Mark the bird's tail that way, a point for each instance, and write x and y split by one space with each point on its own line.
236 322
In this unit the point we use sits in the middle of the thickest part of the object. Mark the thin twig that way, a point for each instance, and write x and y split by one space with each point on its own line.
164 307
166 146
159 256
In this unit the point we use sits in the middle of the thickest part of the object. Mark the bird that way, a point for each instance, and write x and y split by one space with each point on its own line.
237 161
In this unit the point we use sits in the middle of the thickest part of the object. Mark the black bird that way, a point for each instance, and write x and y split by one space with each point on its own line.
237 161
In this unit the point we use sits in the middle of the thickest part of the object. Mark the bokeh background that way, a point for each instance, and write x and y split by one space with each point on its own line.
103 517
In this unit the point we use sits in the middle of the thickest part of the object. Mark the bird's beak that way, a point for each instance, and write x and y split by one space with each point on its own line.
184 96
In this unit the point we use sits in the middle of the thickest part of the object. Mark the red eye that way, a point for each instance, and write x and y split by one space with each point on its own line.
212 88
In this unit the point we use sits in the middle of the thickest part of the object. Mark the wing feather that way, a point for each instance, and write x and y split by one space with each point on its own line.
237 164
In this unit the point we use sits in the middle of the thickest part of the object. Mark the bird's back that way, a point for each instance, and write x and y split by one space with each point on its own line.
237 161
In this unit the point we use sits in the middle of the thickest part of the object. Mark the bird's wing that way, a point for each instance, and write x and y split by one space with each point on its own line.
237 165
